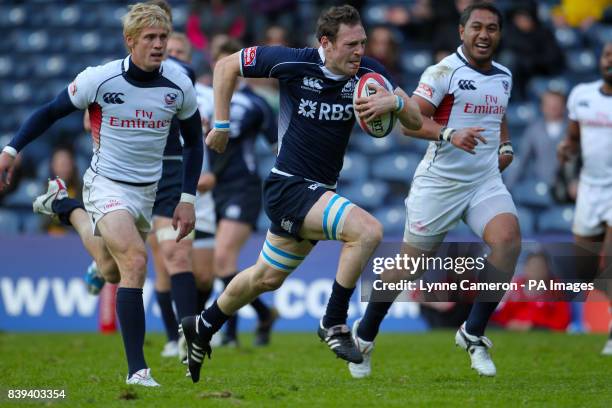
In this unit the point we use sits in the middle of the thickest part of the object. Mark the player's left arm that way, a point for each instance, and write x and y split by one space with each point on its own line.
505 151
193 152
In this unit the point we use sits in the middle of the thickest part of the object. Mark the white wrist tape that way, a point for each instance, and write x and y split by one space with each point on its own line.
187 198
11 151
446 134
506 148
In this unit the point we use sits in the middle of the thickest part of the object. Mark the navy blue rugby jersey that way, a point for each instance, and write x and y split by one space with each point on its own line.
174 147
251 115
316 108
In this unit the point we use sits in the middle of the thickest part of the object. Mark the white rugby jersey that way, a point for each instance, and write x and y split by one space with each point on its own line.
205 205
130 120
588 106
465 97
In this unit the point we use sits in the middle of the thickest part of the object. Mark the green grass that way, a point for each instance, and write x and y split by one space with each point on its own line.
534 369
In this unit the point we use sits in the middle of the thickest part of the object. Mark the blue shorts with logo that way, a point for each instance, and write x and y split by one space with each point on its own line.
169 188
239 201
287 200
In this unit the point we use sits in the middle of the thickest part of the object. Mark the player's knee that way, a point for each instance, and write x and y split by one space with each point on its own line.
110 272
178 259
224 260
135 261
269 280
370 232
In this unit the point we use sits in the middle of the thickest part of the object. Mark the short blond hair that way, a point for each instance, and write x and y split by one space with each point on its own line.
143 15
176 35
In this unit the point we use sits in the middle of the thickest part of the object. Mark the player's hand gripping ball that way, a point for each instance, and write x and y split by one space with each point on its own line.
382 125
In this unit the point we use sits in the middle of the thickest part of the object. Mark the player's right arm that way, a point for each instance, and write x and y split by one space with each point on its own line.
570 146
34 126
433 86
225 75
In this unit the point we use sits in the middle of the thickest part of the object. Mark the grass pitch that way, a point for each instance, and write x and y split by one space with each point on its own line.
534 369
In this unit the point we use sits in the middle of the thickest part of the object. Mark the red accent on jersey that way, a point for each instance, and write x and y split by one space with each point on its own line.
442 113
95 121
250 56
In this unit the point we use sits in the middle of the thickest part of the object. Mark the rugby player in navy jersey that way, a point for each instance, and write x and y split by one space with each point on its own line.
131 103
316 119
237 191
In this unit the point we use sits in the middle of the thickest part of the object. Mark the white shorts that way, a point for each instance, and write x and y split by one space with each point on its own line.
205 220
102 196
593 210
435 205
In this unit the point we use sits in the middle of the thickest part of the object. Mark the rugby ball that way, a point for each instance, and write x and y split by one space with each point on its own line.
382 125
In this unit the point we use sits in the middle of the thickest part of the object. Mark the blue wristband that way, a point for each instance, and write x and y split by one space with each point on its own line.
222 125
399 103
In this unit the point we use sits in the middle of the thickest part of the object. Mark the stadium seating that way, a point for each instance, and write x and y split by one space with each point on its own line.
356 167
532 193
396 167
393 219
369 195
556 219
9 222
24 195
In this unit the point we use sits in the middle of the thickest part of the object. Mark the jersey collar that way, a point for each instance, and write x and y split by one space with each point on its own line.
328 74
128 68
492 71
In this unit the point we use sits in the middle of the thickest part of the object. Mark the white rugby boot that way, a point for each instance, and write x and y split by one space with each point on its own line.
56 190
170 349
365 348
478 349
142 377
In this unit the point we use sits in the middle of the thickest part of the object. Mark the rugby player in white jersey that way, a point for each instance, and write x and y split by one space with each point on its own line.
463 100
131 104
590 133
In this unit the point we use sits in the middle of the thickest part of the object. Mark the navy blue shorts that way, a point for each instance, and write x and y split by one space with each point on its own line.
287 201
238 201
169 188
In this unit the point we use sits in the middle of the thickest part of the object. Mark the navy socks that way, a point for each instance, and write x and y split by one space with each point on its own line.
130 311
337 307
164 300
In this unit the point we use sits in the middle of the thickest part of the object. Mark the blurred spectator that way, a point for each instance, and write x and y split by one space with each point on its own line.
63 165
579 13
446 21
211 17
526 309
274 13
532 47
537 153
414 20
383 46
18 175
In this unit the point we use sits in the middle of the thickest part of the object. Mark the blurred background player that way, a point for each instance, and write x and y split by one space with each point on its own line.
237 191
590 133
459 178
299 194
120 184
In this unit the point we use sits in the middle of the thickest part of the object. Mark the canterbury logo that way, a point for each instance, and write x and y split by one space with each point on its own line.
313 83
113 97
467 85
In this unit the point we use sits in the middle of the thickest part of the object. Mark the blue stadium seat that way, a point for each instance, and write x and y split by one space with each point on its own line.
24 195
32 223
539 85
20 92
9 222
369 145
602 33
415 62
85 42
568 38
67 16
13 15
7 66
533 193
527 220
556 219
392 219
581 61
520 114
396 167
355 168
370 194
31 40
263 222
264 164
51 66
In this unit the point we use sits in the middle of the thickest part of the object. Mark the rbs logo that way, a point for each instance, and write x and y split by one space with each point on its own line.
325 111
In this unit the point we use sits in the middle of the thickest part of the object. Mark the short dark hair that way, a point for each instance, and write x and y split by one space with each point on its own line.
330 20
467 13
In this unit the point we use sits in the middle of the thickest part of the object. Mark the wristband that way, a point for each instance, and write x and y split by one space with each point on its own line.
506 148
446 134
222 125
187 198
11 151
399 103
